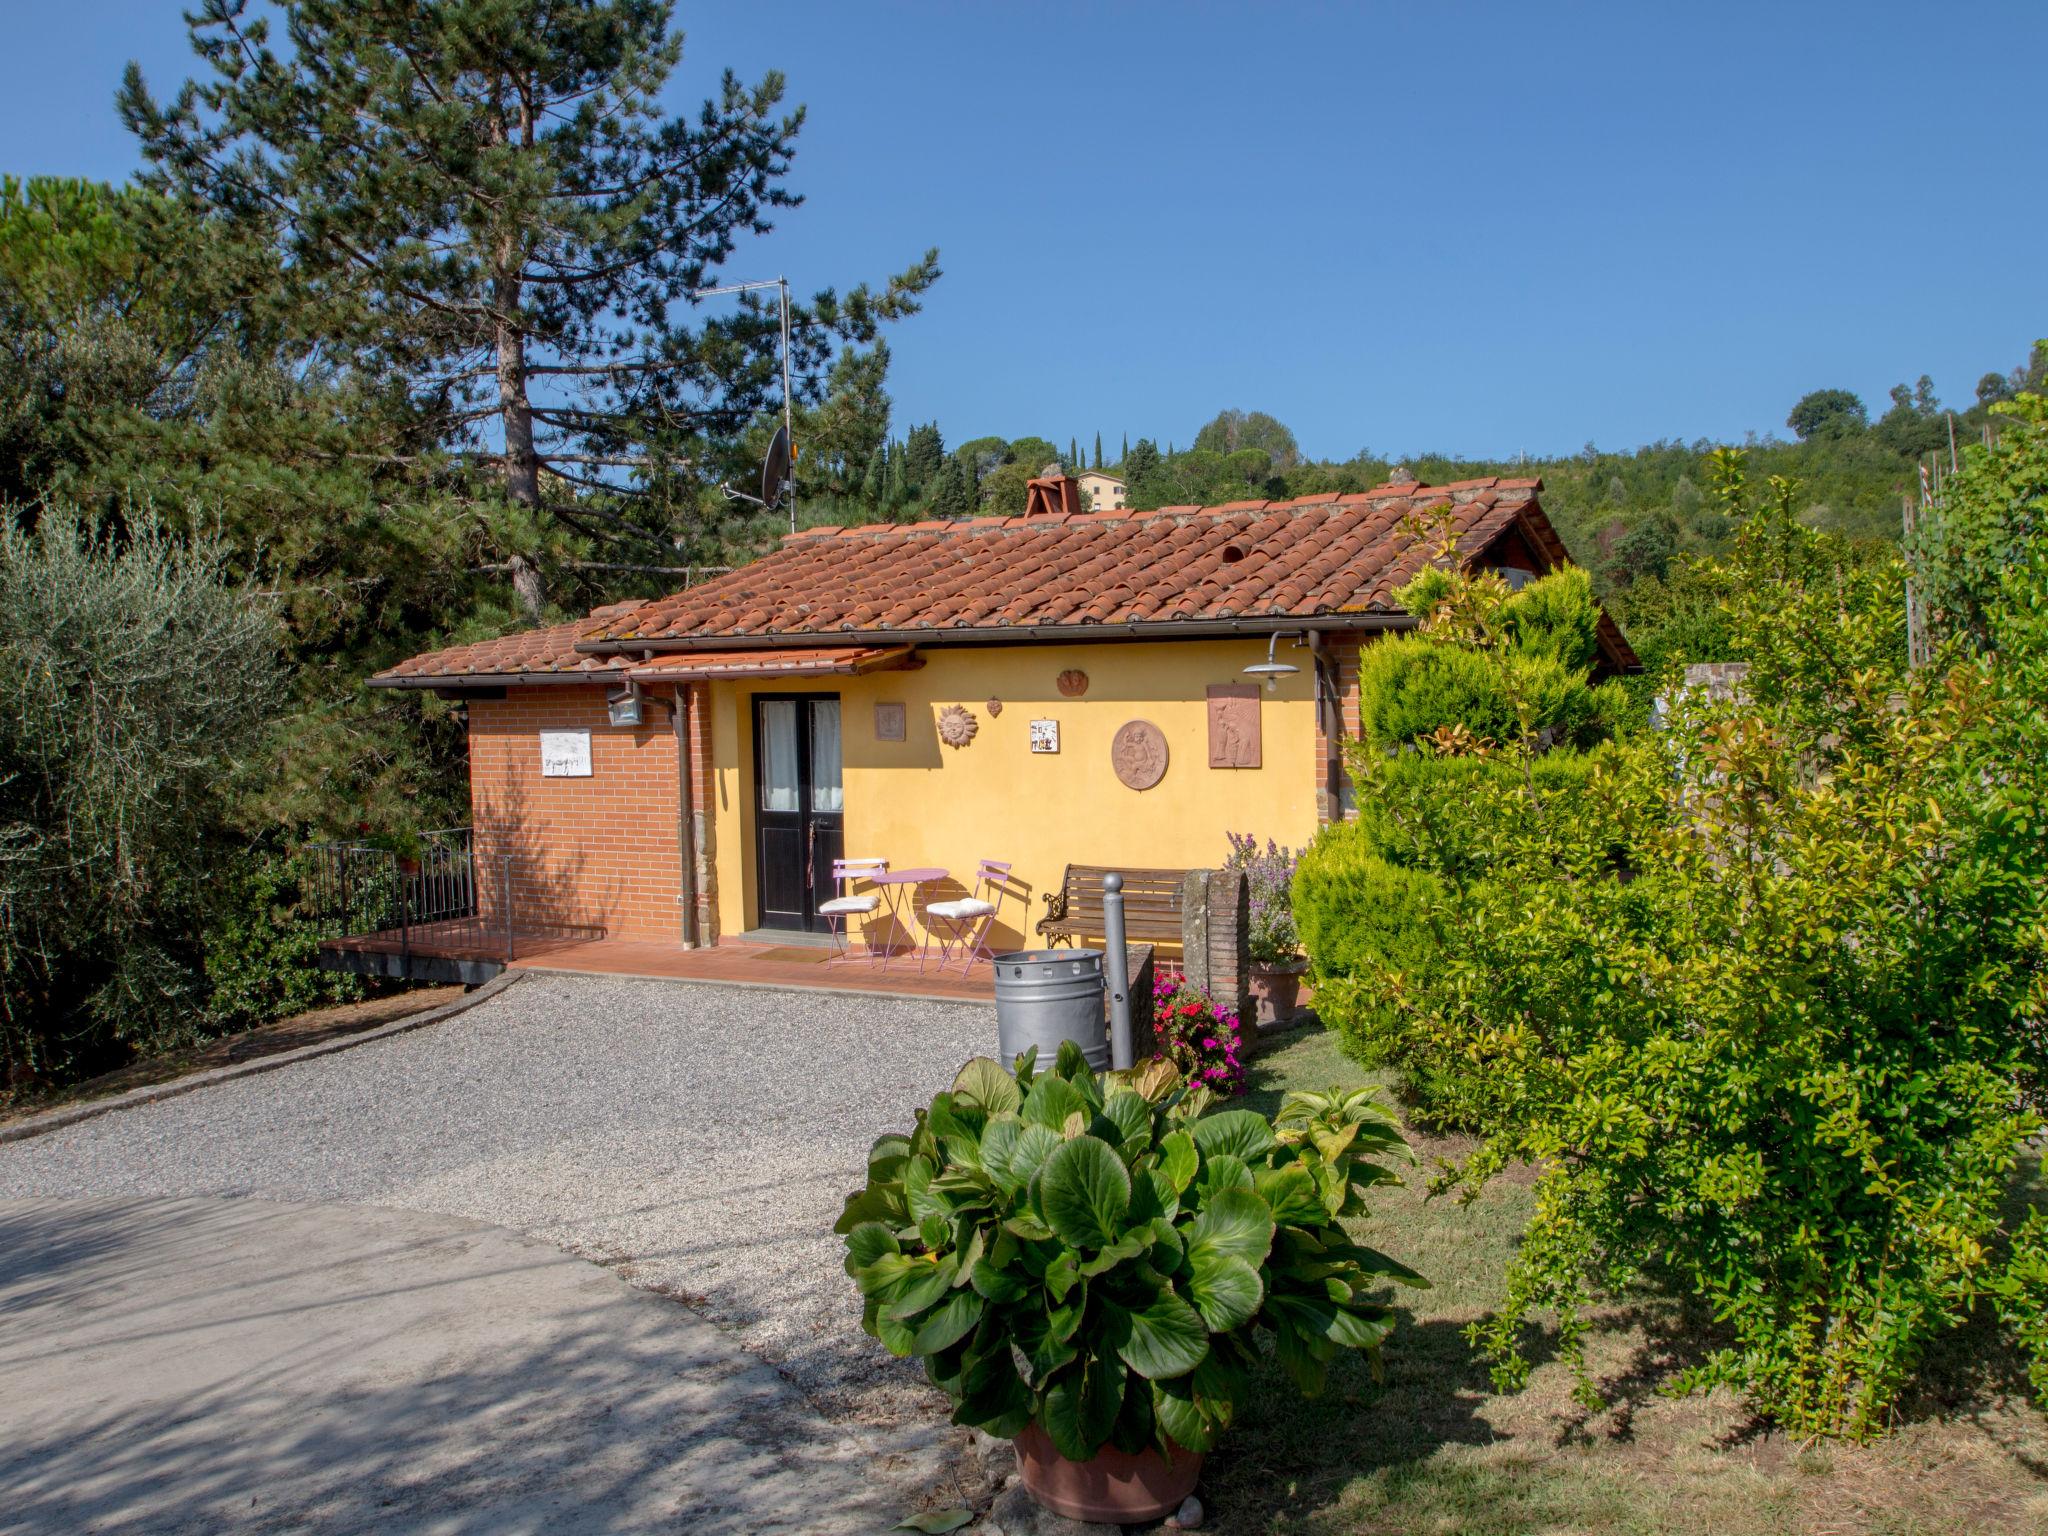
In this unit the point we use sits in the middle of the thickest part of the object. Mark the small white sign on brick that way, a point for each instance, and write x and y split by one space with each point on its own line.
565 754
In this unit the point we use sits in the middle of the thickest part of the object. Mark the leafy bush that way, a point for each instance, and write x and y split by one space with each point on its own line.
1088 1255
1204 1042
1532 674
260 948
1785 1064
1369 926
1991 515
1426 811
1267 875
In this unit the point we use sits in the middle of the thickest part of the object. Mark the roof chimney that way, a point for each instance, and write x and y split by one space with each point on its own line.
1052 490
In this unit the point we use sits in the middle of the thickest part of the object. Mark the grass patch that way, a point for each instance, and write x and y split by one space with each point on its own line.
1429 1448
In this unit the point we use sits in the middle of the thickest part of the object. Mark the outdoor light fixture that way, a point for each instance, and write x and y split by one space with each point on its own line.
623 704
1270 669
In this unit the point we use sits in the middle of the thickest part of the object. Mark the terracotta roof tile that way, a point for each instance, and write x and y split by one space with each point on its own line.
533 652
1297 559
807 661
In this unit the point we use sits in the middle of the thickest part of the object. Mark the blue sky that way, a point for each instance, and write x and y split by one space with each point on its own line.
1471 228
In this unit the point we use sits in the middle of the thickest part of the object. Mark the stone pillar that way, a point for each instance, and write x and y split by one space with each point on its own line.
1194 929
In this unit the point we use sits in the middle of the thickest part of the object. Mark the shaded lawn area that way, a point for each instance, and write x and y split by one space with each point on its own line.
1431 1449
310 1028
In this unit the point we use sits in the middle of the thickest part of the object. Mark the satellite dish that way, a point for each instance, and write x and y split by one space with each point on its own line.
775 468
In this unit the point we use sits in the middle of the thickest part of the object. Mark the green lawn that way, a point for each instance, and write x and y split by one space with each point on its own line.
1431 1449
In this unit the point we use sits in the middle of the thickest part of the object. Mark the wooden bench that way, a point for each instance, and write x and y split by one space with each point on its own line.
1152 905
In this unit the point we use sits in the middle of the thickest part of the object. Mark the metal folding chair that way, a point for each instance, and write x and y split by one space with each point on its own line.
849 904
961 928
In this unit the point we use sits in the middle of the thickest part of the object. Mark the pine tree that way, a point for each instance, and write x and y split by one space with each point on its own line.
479 202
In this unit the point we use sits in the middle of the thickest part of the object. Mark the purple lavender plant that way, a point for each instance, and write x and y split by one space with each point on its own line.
1269 875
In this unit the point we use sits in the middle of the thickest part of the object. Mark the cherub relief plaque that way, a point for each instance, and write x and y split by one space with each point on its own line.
1138 754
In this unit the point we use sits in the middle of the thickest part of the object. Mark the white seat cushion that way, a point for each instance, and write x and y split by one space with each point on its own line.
970 906
840 904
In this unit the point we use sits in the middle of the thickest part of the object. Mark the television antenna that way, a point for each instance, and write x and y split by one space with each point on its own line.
778 467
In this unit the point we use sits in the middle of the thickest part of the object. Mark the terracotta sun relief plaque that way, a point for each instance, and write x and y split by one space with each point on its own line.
957 726
1138 754
1233 725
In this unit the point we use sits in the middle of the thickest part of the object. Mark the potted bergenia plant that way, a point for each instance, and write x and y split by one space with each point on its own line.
1275 948
1085 1264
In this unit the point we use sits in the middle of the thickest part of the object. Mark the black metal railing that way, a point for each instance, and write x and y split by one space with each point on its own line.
364 890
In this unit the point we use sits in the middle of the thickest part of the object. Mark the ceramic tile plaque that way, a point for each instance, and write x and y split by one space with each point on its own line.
889 722
1045 735
565 754
1233 725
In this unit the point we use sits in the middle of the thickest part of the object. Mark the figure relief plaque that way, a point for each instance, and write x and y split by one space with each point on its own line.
1233 725
889 721
1138 754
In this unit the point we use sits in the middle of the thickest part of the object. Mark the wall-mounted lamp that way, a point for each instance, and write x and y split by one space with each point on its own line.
1270 669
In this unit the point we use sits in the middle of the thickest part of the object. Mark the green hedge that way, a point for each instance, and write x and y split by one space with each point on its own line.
1364 922
1441 814
1376 900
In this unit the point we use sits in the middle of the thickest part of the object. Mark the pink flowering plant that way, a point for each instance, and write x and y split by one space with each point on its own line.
1202 1039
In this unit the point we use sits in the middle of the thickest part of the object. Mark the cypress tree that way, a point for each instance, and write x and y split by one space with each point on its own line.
1098 450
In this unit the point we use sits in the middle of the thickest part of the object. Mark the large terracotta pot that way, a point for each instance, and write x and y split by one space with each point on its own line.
1115 1488
1274 994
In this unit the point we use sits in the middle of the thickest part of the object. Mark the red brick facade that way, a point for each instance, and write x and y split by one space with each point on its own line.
598 853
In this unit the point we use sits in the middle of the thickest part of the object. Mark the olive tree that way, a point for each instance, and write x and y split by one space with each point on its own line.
135 677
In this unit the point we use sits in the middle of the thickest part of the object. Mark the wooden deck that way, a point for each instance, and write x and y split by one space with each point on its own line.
460 952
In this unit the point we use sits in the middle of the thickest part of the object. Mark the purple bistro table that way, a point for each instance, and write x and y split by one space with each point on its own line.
895 884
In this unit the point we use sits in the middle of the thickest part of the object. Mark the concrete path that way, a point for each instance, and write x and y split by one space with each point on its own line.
203 1365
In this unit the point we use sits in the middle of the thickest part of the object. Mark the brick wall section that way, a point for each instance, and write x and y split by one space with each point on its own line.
696 699
598 853
1343 651
1230 926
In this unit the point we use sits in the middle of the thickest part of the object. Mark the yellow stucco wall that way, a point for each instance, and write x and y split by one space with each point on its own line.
919 802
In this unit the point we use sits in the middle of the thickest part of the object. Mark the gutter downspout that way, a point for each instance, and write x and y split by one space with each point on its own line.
1329 697
686 813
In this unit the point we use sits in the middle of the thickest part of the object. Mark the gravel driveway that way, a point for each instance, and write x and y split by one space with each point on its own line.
697 1139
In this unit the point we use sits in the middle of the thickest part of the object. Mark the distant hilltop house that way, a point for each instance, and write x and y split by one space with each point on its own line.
1105 688
1101 492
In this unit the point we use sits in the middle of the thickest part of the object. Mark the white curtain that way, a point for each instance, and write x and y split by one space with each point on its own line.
779 782
826 794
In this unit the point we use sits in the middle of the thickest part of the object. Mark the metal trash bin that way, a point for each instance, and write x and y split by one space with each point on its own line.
1044 996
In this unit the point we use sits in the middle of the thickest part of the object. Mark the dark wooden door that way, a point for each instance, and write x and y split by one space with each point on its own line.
799 806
